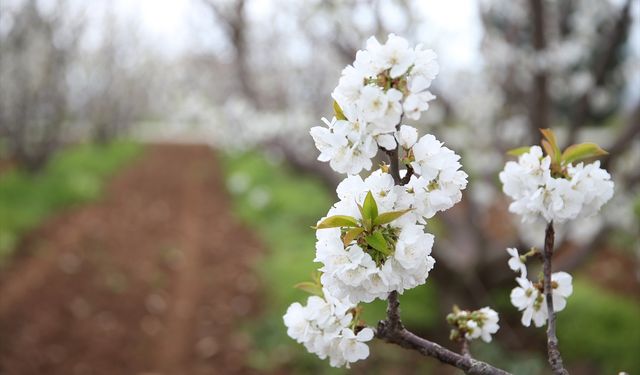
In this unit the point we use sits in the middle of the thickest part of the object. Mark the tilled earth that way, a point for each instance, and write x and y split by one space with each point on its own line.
153 279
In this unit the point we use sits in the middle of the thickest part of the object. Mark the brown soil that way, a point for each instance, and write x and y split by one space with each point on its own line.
153 279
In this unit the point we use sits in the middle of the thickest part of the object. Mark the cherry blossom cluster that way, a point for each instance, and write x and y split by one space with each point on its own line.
470 325
373 240
576 191
326 328
354 271
384 83
529 297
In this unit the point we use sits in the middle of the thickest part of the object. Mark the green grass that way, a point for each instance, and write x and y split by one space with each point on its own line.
601 328
73 176
281 206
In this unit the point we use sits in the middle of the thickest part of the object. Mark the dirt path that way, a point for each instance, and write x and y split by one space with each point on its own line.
153 279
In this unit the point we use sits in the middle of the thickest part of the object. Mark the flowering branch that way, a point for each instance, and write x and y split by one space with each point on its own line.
373 243
556 187
393 331
555 359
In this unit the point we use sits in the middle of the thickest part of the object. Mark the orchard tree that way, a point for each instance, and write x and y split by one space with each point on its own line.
37 48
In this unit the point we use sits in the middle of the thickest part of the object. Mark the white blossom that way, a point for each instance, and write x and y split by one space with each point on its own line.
407 136
484 326
349 271
385 82
471 325
438 182
489 324
530 301
323 326
536 193
516 263
345 144
529 298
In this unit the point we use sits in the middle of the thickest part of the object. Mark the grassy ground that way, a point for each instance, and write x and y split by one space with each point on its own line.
74 176
597 325
601 327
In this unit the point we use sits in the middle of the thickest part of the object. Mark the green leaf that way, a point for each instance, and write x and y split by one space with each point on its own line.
351 235
309 287
548 149
370 207
388 217
338 111
582 151
338 221
366 223
376 240
519 151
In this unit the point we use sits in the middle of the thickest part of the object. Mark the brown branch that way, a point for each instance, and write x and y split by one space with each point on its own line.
402 337
394 166
407 177
555 359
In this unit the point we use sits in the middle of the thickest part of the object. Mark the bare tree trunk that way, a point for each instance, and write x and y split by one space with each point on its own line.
539 108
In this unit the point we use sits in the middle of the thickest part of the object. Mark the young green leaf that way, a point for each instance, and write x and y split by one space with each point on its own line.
370 207
309 287
376 240
551 147
581 151
315 276
351 235
338 111
548 149
338 221
387 217
519 151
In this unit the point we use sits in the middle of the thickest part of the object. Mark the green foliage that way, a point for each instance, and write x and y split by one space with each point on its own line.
519 151
581 151
338 111
296 202
602 328
338 221
73 176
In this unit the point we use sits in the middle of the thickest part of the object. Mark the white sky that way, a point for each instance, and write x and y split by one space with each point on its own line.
172 22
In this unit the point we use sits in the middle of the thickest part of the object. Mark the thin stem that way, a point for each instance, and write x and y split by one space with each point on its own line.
465 348
393 311
555 360
394 165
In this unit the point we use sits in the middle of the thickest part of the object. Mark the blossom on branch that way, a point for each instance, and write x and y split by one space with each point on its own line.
530 299
385 82
379 259
326 328
516 263
373 242
554 186
469 325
